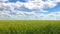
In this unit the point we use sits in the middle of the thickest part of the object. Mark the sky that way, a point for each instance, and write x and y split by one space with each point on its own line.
29 9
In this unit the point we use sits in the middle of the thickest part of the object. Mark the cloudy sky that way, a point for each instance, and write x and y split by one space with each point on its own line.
30 9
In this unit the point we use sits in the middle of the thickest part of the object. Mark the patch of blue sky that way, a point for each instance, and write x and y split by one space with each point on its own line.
12 1
23 0
17 0
44 0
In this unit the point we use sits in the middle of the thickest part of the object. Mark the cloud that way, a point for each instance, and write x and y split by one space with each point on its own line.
57 0
7 9
50 16
40 4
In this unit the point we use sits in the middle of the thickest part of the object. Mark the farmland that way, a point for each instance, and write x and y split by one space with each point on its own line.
29 26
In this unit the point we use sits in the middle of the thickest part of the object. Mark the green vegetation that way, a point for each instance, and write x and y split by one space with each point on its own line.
29 26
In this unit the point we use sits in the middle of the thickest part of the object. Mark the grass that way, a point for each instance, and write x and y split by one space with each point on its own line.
29 26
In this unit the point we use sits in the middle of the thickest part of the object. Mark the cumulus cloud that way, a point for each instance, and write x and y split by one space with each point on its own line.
51 16
9 8
40 4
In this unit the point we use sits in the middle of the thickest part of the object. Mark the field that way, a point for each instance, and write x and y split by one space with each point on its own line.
29 26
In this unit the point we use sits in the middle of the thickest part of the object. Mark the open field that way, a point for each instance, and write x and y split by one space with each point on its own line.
29 26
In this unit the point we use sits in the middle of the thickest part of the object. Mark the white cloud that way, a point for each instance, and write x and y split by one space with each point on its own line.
53 16
8 8
57 0
40 4
49 4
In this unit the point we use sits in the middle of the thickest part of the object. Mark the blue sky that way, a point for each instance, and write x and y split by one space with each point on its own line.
26 9
17 0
